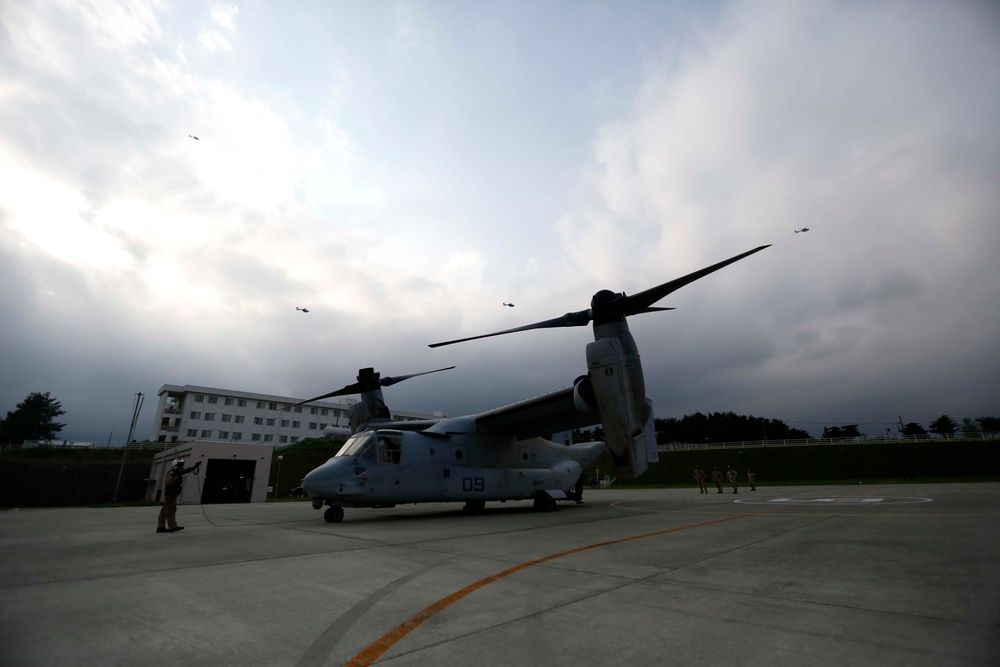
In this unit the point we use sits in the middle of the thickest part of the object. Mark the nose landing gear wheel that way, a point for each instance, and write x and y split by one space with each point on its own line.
334 515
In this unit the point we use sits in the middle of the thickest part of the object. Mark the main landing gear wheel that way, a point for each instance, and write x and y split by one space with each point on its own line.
544 502
475 506
334 515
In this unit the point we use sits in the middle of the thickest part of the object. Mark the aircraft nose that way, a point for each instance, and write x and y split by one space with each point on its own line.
328 480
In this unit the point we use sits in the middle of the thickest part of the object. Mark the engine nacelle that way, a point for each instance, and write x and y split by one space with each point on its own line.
583 395
627 419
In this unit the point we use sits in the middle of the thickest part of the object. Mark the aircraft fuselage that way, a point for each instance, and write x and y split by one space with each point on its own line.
380 468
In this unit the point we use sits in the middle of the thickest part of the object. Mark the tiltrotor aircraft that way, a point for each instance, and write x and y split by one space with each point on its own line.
504 454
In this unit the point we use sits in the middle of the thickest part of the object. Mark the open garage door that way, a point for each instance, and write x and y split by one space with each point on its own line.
228 481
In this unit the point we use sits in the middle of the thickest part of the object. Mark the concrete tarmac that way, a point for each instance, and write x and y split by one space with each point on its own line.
835 575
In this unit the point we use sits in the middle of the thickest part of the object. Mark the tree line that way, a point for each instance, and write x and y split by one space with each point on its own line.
731 427
713 427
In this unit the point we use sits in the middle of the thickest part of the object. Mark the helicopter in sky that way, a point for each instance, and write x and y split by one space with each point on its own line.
504 454
803 229
509 305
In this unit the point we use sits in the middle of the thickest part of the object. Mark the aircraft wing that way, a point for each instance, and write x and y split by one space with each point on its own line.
540 416
410 425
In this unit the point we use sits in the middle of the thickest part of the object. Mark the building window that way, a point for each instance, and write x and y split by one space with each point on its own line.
258 421
241 402
199 398
192 433
209 416
295 438
322 412
229 401
223 435
237 436
322 426
313 411
270 421
269 438
260 405
297 408
239 419
195 415
283 439
312 426
284 423
272 406
227 418
296 424
255 437
206 433
213 399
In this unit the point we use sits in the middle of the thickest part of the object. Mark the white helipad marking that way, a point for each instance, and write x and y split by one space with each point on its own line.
848 500
841 500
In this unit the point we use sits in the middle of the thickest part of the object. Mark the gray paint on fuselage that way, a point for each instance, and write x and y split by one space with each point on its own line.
454 469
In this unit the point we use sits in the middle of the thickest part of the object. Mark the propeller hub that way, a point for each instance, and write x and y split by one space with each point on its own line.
603 307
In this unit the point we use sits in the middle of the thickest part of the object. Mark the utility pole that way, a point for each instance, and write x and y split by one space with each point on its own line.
131 430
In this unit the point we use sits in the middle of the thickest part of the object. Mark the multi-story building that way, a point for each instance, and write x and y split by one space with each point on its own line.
190 412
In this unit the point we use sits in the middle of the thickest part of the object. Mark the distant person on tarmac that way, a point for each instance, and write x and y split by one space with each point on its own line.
699 476
172 486
752 479
731 474
717 478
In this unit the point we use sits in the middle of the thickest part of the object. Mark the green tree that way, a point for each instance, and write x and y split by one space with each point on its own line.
913 428
32 419
989 424
723 427
970 426
944 425
848 431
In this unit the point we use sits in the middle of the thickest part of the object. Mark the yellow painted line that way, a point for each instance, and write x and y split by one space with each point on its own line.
375 650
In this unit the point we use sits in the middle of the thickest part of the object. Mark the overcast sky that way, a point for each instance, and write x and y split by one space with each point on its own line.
401 169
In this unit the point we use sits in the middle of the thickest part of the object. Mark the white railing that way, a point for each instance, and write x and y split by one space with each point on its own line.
861 440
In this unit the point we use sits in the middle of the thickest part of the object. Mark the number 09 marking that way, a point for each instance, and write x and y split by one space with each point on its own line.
473 484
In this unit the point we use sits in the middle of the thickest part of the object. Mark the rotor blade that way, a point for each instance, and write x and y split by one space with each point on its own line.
640 303
346 391
385 382
577 319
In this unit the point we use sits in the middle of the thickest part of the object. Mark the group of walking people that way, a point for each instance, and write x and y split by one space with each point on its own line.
731 475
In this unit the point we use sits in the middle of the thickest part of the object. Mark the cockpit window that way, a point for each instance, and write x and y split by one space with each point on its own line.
359 445
389 448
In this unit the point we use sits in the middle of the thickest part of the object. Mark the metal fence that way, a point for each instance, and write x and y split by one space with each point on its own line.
66 445
803 442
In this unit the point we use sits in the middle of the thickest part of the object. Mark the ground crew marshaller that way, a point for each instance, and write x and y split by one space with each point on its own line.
717 478
752 479
699 476
731 474
172 486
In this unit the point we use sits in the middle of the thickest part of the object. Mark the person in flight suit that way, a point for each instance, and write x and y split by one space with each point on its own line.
752 479
732 475
172 486
717 478
699 476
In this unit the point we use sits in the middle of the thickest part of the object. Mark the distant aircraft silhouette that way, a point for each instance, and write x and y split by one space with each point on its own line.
194 137
509 305
804 229
304 310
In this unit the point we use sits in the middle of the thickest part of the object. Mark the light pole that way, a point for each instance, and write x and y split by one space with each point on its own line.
277 479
